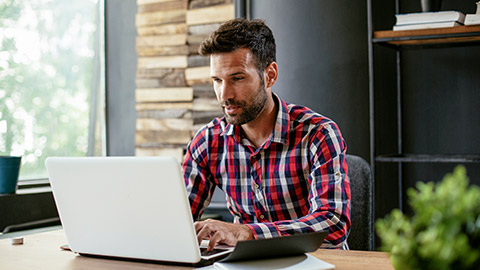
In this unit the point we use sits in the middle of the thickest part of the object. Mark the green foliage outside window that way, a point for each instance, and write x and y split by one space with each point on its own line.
46 76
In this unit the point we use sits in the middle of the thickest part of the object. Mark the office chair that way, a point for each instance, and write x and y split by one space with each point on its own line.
362 216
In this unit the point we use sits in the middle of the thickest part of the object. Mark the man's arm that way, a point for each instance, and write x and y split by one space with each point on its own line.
197 179
200 190
329 194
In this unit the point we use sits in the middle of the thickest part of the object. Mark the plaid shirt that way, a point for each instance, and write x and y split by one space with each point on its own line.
296 182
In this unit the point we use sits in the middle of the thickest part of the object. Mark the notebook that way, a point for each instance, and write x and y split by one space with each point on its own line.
137 208
303 262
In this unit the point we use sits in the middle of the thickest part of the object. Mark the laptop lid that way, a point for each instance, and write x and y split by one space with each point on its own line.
130 207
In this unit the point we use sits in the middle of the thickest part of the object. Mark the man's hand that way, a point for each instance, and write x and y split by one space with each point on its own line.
220 232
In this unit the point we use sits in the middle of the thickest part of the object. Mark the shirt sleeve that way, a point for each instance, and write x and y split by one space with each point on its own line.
198 180
329 194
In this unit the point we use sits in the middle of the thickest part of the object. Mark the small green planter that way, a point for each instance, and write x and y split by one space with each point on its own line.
9 169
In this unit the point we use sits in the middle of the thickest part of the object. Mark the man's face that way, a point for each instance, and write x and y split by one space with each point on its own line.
239 88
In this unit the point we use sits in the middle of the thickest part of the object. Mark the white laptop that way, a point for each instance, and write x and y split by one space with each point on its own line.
137 208
128 207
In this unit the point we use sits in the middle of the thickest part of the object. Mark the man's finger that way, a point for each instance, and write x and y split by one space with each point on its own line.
207 229
215 239
198 225
204 233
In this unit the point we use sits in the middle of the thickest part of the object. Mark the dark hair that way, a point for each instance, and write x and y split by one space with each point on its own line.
241 33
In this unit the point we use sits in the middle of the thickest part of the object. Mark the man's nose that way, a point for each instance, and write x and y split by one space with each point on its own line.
226 92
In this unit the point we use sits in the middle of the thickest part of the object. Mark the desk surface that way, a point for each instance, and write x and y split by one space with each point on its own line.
43 251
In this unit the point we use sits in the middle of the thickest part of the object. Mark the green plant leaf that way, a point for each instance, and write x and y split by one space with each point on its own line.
443 233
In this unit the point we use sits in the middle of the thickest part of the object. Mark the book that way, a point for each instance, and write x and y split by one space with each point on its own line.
425 25
429 17
304 262
472 19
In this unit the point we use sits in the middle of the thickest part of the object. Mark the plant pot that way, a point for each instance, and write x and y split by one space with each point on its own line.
9 169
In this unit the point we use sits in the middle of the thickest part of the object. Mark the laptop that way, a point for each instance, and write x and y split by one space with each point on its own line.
137 208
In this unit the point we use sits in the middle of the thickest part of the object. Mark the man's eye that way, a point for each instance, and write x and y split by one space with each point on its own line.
237 78
216 80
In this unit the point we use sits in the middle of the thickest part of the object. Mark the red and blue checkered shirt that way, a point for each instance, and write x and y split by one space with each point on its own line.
296 182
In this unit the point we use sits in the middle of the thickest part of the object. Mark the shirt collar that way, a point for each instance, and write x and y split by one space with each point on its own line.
229 128
280 130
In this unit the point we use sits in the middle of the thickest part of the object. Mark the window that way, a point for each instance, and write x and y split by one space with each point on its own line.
51 81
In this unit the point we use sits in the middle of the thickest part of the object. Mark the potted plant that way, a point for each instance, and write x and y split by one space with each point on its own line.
444 231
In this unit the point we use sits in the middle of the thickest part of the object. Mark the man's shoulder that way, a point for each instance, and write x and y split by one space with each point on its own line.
312 123
217 123
304 115
215 127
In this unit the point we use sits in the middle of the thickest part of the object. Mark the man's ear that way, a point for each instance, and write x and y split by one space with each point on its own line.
271 74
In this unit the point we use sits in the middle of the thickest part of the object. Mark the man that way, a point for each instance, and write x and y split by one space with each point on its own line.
281 166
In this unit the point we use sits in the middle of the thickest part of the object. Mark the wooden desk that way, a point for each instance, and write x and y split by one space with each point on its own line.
42 251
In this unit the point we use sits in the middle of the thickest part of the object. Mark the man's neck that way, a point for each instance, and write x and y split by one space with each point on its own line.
258 130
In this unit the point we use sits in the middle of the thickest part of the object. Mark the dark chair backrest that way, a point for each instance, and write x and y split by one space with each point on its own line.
361 235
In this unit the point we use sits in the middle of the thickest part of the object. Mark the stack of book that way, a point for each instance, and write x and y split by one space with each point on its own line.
424 20
472 19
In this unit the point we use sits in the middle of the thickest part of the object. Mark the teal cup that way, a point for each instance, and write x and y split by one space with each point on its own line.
9 169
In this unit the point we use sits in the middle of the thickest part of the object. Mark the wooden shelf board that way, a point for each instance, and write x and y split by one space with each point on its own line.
429 158
458 34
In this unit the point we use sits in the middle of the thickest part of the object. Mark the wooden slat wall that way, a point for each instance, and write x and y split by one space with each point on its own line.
174 95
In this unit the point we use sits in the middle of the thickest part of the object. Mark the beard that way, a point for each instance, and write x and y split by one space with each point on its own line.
251 108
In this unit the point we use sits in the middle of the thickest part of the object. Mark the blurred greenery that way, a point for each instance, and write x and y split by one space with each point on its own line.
46 65
444 232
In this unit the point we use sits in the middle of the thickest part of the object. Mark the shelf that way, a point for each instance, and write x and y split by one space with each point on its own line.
400 45
429 158
451 35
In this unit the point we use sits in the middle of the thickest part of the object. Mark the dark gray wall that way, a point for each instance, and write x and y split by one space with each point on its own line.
121 65
323 61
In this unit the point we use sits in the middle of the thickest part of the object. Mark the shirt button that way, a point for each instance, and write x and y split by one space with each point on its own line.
256 186
262 217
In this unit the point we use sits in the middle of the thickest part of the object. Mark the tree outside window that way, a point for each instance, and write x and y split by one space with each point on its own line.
51 81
